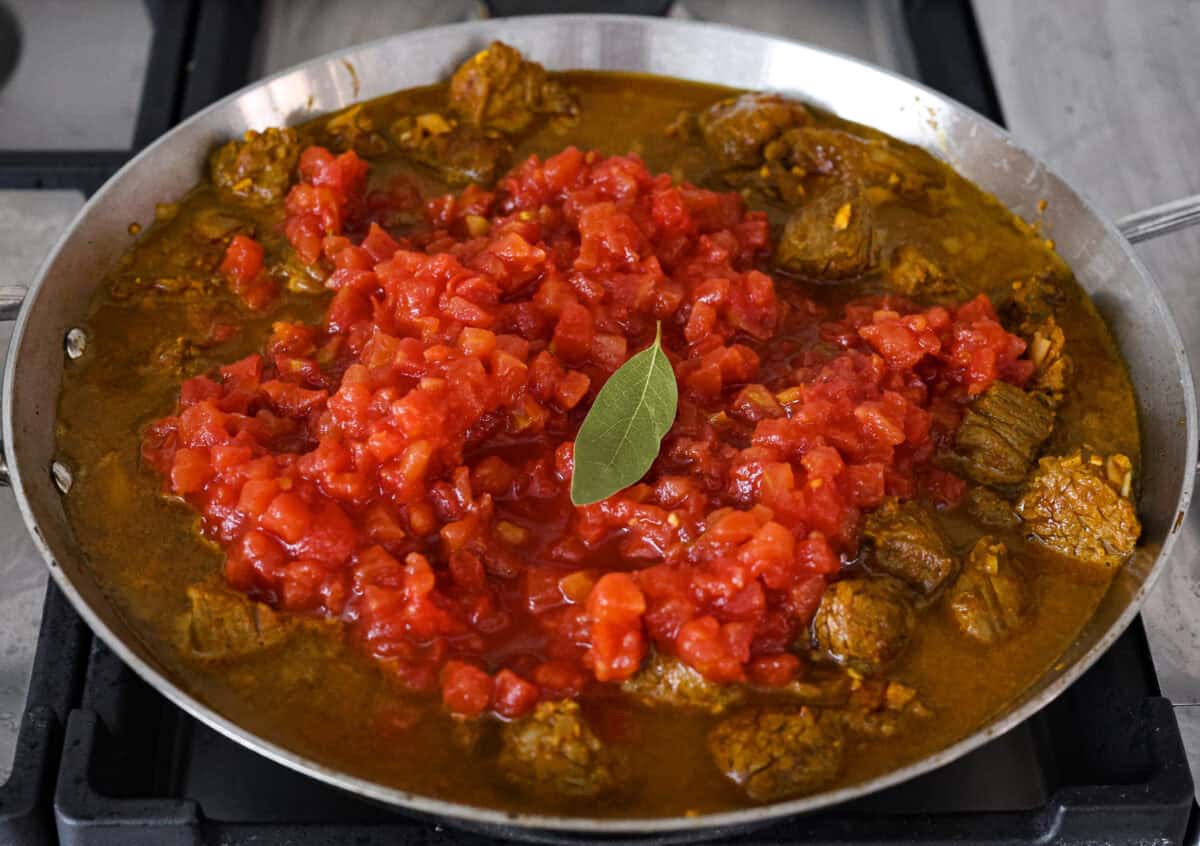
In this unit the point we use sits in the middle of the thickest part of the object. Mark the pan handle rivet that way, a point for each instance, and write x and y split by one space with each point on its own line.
62 476
76 343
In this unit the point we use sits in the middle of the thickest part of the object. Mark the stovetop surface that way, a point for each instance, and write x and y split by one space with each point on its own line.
98 757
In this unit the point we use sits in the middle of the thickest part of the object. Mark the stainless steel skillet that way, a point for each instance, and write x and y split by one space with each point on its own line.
1091 244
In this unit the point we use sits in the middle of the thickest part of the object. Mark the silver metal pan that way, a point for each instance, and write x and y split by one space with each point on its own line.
1092 245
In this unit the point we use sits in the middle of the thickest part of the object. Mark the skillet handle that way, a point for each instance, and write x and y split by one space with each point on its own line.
11 297
1159 220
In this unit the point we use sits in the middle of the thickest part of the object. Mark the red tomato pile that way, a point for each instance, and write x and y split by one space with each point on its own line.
405 466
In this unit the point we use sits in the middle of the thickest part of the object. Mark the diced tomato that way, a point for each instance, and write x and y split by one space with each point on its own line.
191 471
559 679
243 260
287 517
704 644
617 649
257 495
243 268
256 557
404 465
512 696
466 689
616 597
775 670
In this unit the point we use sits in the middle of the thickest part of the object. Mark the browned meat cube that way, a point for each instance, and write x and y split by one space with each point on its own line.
864 624
1054 367
878 163
498 88
1001 434
815 151
907 544
666 680
258 169
553 752
989 601
737 129
222 624
1079 506
911 273
354 129
776 753
764 146
879 708
459 154
990 509
829 236
1028 303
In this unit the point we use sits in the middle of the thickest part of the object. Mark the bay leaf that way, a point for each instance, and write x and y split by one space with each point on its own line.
624 428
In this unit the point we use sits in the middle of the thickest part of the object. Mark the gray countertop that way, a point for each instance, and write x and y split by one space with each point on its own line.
1108 93
77 81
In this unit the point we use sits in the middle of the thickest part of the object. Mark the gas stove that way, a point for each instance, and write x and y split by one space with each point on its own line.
89 754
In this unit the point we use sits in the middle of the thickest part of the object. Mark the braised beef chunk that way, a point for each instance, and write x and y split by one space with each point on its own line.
1001 434
880 708
864 624
911 273
256 170
906 543
776 753
1054 367
498 88
222 624
827 175
737 129
1028 303
829 235
873 707
354 129
666 680
554 753
1027 307
458 153
990 509
1079 505
817 152
877 163
795 163
989 601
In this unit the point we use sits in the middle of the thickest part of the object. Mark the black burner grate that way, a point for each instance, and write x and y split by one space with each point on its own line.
26 812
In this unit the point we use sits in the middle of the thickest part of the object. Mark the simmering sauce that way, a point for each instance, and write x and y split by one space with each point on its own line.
345 385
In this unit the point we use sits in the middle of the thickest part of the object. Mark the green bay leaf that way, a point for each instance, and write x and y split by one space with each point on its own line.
624 428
